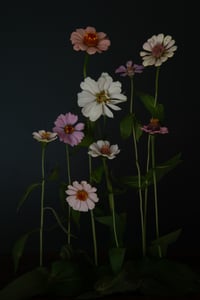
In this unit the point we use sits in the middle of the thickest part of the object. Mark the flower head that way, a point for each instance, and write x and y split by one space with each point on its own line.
81 196
157 50
99 97
68 130
44 136
130 69
89 40
103 148
154 127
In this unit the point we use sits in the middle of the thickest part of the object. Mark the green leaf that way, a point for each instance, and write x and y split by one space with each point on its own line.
132 181
126 126
66 278
116 257
54 174
28 191
156 111
164 241
163 168
97 174
18 248
26 286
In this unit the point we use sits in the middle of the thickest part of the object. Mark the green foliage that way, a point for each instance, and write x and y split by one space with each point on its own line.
18 248
29 189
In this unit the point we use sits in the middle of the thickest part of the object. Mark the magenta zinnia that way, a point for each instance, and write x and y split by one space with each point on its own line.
130 69
154 127
68 130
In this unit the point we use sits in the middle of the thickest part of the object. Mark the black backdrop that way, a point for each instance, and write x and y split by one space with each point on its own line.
40 77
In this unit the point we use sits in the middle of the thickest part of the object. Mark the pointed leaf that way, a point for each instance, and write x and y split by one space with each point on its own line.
97 174
18 248
164 241
116 257
126 126
156 111
28 191
26 286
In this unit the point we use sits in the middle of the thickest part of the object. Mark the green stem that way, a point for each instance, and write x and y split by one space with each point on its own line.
42 204
139 175
94 237
155 190
85 65
111 201
69 208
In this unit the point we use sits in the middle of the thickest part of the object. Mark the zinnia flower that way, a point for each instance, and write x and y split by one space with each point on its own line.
157 50
44 136
81 196
154 127
103 148
89 40
68 132
98 97
130 69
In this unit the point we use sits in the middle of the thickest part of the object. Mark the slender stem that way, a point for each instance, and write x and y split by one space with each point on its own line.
156 86
42 204
90 172
69 208
111 201
85 65
57 219
155 190
94 238
139 175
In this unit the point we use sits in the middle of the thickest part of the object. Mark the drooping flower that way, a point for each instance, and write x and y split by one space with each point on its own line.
89 40
154 127
81 196
157 50
103 148
44 136
68 130
99 97
129 69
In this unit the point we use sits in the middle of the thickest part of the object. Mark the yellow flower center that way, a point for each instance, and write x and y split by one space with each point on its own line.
91 40
45 135
68 129
158 50
154 124
102 97
105 149
81 195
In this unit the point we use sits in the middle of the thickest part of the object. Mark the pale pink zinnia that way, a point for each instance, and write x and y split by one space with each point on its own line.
89 40
44 136
103 148
154 127
129 69
81 196
68 130
157 50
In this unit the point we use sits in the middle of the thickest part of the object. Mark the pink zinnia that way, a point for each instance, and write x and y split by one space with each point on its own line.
67 131
89 40
154 127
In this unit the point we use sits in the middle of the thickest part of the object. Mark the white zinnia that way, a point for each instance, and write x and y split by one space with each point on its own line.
157 50
81 196
44 136
103 148
99 97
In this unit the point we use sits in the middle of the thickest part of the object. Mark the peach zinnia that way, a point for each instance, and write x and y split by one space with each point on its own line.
89 40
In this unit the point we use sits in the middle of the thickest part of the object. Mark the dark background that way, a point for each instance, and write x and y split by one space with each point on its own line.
40 75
